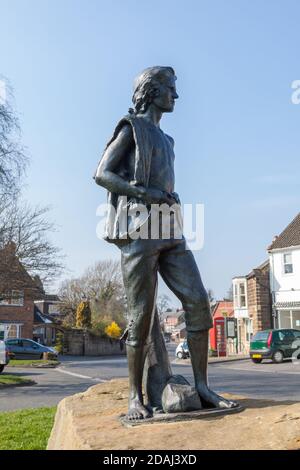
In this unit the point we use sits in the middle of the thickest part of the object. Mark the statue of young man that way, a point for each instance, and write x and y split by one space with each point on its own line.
138 163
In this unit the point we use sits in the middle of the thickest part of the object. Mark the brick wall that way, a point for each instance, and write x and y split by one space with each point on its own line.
20 314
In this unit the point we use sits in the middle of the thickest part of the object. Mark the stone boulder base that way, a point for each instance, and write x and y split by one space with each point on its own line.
179 397
90 421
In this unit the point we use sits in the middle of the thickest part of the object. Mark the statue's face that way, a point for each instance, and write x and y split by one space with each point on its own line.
167 95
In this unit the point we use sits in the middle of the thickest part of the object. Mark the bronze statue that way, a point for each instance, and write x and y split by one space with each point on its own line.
138 165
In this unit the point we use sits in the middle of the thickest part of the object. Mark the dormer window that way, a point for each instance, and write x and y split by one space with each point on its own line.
287 263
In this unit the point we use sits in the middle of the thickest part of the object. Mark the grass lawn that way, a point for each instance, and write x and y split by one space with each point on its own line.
32 363
6 379
26 429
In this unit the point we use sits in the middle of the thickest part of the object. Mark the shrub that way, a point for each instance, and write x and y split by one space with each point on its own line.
113 330
99 325
83 315
59 345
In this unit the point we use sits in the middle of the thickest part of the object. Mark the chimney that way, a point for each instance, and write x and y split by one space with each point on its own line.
11 248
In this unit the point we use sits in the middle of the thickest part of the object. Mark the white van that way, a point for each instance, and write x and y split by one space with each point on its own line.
4 358
182 350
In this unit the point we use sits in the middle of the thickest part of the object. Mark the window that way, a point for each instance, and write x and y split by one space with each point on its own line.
288 336
296 319
4 299
248 327
12 331
235 296
17 297
240 295
30 344
284 317
280 335
287 263
13 342
261 336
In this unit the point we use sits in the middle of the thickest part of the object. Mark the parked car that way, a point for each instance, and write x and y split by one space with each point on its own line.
275 344
182 350
24 348
4 356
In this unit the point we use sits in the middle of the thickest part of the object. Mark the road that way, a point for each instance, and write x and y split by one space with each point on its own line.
76 374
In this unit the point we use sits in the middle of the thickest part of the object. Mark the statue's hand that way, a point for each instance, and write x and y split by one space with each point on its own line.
156 196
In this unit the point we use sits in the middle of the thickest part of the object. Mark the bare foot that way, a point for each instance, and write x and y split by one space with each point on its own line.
211 399
137 411
158 410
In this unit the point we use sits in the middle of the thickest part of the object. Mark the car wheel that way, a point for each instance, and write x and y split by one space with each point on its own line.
277 357
256 361
179 355
1 368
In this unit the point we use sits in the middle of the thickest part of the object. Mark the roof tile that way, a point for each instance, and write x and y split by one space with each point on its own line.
289 237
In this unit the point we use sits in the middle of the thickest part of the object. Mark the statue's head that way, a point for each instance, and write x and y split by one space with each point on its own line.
155 85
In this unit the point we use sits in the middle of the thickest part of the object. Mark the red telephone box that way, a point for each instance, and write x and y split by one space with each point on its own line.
218 336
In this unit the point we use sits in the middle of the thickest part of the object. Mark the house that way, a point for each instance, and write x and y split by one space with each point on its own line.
47 319
179 333
19 315
50 305
169 320
252 304
241 313
284 256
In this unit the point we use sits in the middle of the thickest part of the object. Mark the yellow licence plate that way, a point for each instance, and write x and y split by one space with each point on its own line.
256 356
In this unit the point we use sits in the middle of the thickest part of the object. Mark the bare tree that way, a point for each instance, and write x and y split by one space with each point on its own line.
102 285
229 294
25 227
28 228
211 295
103 280
163 302
12 157
71 294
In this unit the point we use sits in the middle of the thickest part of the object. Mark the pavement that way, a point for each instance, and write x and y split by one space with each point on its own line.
213 360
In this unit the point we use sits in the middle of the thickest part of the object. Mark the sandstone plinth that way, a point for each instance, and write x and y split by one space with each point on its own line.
90 421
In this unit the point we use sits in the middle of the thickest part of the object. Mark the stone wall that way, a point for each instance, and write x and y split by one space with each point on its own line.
80 343
259 300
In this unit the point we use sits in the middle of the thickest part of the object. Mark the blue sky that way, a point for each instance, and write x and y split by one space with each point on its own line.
72 64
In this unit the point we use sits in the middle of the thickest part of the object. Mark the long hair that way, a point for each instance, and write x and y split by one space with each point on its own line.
146 87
